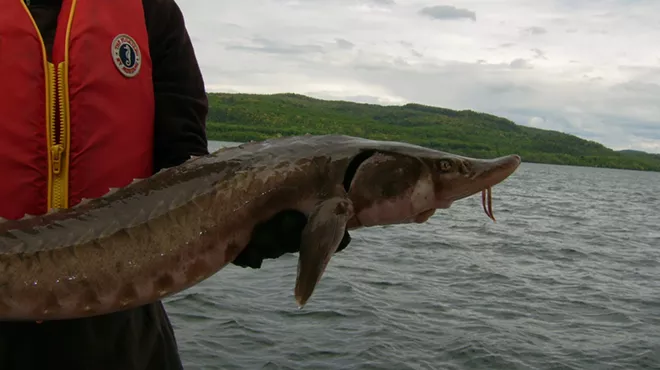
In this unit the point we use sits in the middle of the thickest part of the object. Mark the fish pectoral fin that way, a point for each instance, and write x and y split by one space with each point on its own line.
320 239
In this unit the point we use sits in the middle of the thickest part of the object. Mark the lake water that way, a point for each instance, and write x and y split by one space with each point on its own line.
568 278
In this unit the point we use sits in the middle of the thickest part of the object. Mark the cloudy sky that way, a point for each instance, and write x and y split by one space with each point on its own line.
586 67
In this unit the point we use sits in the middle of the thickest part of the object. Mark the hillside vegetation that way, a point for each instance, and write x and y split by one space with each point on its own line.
244 117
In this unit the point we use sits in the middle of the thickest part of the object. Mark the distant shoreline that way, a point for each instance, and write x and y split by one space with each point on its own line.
235 117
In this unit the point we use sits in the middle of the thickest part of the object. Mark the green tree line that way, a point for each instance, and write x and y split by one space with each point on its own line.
244 117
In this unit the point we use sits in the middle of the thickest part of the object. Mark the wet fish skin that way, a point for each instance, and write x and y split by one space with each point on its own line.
161 235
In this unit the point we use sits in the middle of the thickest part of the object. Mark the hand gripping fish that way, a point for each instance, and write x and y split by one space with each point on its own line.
163 234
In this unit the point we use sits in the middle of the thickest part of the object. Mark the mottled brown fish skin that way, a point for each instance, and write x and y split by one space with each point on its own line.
164 234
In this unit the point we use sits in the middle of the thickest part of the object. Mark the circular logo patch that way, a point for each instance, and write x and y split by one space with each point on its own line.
126 55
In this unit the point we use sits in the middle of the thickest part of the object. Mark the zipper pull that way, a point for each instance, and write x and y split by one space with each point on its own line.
56 152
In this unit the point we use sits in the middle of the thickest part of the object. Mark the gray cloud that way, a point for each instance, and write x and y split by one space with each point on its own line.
520 63
344 44
535 30
383 2
276 47
539 54
445 12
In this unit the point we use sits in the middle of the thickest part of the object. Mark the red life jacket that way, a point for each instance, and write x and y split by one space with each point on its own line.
77 126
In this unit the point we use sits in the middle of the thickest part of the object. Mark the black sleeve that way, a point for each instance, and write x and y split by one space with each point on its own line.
180 95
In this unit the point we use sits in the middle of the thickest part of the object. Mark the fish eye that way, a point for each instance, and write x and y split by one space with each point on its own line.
445 165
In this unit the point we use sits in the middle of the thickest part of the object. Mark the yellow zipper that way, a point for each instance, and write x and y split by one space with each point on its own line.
57 98
58 136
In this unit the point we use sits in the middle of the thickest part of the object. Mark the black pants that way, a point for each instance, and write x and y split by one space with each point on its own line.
138 339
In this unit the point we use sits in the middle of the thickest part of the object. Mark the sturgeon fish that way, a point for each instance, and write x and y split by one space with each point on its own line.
163 234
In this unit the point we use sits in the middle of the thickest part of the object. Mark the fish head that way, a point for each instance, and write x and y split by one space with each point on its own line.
456 177
407 183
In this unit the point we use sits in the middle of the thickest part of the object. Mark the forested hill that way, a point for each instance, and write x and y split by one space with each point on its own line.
244 117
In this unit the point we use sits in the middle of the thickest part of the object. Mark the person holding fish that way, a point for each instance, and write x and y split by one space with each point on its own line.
95 94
